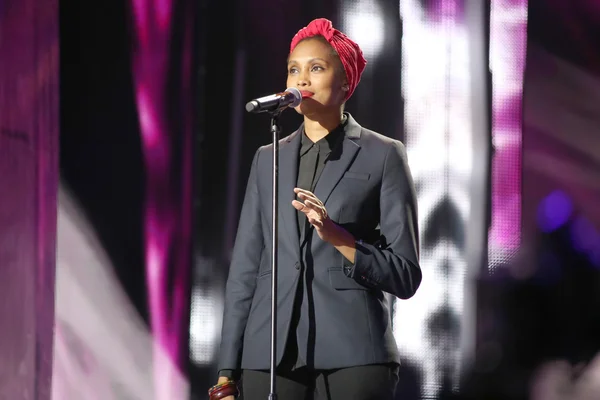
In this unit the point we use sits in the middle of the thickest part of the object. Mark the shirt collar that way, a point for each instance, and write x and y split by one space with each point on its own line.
327 143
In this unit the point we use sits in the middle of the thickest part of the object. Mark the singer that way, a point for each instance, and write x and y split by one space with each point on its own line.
348 234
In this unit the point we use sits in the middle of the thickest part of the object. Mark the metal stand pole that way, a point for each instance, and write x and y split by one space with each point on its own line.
275 131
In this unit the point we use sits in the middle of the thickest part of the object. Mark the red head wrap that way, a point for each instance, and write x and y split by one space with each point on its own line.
350 53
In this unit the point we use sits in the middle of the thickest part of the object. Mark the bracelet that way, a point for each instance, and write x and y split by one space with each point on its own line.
223 390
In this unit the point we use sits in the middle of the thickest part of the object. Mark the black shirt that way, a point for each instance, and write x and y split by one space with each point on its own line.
312 159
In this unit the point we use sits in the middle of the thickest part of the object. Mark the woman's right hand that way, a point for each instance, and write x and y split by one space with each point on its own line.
225 380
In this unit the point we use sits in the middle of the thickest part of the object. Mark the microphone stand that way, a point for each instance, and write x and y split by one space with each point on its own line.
275 131
275 104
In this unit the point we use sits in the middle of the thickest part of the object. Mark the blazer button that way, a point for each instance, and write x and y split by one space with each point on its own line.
297 265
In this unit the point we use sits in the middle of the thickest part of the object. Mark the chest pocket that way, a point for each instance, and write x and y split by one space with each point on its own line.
356 175
358 196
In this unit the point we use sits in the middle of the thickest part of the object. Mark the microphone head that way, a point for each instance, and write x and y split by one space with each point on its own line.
297 96
251 106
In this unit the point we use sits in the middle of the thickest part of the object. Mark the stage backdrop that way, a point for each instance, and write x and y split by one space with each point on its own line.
29 95
128 81
537 311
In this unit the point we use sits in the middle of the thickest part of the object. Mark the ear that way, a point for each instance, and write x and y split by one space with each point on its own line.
345 87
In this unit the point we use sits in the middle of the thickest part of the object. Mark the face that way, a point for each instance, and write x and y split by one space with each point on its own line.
317 72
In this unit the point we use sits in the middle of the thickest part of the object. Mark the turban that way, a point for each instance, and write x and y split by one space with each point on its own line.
350 53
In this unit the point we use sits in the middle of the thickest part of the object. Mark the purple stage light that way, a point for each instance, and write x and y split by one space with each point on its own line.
584 236
554 211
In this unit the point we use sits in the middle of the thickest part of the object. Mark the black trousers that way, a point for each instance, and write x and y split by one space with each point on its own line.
368 382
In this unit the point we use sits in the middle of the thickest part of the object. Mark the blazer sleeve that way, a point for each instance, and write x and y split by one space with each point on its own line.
394 266
241 281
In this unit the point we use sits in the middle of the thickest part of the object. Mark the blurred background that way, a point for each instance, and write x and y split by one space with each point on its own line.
125 150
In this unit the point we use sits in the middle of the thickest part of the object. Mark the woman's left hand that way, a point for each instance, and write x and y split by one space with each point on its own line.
316 213
328 231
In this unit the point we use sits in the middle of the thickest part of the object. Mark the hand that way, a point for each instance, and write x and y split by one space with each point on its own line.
225 380
328 231
316 214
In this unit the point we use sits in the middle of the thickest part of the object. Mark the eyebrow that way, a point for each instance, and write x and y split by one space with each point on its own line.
309 61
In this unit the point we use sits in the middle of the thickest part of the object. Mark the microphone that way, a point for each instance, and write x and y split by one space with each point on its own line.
275 102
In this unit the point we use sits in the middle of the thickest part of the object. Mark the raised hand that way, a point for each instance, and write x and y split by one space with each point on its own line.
316 213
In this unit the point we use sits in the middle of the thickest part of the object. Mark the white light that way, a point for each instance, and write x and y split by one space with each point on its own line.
363 22
205 325
436 90
206 312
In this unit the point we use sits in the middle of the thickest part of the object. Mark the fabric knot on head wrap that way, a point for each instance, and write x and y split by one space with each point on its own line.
350 53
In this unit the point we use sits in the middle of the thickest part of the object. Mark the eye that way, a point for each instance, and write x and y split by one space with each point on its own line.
292 70
317 68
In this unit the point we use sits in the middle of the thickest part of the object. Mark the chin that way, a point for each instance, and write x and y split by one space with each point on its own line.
299 110
303 110
308 107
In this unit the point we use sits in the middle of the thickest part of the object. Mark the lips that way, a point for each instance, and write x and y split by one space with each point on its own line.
306 94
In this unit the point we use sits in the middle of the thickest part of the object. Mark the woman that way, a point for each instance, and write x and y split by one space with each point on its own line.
348 234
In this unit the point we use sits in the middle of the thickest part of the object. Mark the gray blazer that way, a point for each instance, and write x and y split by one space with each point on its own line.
367 188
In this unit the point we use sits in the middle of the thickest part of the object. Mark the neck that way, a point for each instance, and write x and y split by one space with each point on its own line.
317 127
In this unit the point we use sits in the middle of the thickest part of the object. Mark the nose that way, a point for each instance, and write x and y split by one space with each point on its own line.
303 79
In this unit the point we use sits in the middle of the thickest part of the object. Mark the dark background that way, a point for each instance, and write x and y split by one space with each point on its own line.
100 150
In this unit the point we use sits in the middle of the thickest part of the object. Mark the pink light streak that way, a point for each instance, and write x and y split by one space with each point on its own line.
168 175
508 36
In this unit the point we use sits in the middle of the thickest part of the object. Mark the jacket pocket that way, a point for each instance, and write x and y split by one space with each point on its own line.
357 175
263 274
340 281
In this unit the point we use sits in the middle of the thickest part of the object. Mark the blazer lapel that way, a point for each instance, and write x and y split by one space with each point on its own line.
288 173
339 161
